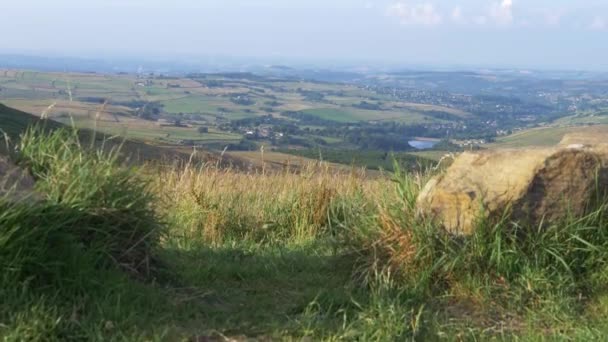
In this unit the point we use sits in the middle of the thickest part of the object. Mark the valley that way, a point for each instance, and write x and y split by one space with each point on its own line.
291 112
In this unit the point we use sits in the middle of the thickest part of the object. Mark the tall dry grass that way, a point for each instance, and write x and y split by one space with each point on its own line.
211 205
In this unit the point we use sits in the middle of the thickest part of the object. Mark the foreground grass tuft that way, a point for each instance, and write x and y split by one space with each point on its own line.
109 204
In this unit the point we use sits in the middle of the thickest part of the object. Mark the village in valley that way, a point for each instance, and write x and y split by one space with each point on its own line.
299 112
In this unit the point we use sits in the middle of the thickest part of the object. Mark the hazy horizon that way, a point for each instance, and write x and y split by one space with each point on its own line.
542 34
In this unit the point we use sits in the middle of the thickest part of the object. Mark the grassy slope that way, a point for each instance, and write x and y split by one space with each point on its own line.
548 136
536 137
13 122
280 256
582 118
372 160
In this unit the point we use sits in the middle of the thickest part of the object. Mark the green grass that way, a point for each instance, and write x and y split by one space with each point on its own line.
139 132
549 136
347 114
191 104
373 160
585 118
89 227
333 114
108 252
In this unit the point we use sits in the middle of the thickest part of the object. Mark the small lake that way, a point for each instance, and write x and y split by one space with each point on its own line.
422 144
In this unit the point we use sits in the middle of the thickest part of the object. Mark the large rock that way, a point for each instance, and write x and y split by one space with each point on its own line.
534 186
15 183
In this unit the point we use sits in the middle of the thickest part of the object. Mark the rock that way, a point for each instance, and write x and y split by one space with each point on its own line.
534 185
15 183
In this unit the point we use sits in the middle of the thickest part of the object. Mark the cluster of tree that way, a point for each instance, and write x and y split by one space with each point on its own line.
143 109
374 160
310 95
309 119
273 103
242 100
442 115
377 141
150 110
267 109
92 99
242 145
131 104
474 130
166 77
231 76
257 90
293 141
446 145
366 136
212 83
507 109
368 106
275 125
381 136
256 121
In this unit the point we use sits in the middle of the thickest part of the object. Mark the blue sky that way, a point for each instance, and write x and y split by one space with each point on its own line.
521 33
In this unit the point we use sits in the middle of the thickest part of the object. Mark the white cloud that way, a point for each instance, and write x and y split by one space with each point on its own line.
502 13
457 15
554 18
598 23
419 14
497 14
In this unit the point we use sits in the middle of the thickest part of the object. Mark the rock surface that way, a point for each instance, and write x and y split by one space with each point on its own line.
15 183
533 185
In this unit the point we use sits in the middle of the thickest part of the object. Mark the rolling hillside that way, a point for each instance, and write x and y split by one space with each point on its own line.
13 122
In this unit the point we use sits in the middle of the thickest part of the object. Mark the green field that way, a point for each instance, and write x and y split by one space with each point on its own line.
343 114
150 132
193 98
373 160
333 114
209 101
191 104
540 137
585 118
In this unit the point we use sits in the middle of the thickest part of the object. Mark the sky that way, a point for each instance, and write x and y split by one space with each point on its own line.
549 34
